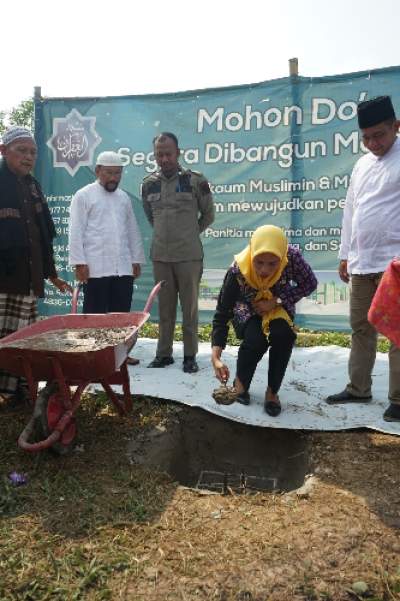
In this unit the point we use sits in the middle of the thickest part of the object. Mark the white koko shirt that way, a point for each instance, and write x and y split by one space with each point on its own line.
371 218
103 232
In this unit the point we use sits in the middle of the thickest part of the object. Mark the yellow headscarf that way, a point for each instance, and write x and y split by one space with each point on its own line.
265 239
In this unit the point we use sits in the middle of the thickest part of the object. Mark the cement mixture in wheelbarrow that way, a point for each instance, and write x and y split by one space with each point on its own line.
75 340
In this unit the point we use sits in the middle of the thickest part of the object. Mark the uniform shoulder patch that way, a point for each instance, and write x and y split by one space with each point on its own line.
204 187
152 186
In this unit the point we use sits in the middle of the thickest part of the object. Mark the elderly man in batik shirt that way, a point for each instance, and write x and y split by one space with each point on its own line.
26 243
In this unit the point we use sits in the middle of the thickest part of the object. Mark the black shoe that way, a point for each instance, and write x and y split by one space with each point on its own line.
190 365
392 413
346 397
22 393
132 361
161 362
243 398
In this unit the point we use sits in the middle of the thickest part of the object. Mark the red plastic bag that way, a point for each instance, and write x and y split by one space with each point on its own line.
384 313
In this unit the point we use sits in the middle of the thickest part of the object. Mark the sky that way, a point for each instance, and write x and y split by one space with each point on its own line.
99 48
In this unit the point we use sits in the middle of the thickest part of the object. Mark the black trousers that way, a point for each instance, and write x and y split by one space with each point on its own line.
280 342
111 294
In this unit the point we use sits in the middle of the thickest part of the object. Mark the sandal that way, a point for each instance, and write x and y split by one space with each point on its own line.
243 398
273 408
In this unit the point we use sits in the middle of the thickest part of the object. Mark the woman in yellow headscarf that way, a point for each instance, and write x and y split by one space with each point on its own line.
258 295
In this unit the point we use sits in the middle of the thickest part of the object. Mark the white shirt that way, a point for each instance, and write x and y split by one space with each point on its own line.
371 219
103 232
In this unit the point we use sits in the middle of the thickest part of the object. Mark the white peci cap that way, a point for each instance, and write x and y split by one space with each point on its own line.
15 132
109 158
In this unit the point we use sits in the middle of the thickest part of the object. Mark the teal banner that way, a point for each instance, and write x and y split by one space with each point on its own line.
278 152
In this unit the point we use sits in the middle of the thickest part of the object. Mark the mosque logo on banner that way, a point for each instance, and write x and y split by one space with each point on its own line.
73 141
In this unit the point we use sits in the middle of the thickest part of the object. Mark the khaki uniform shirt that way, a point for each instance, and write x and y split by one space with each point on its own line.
179 208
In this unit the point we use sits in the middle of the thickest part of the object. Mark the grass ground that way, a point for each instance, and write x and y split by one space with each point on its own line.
94 526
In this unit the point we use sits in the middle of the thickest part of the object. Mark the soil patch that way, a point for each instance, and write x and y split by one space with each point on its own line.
73 341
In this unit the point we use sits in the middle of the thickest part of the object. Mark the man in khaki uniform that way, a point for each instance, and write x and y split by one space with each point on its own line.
179 206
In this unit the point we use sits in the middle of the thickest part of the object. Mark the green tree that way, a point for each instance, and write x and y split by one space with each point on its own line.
3 115
19 115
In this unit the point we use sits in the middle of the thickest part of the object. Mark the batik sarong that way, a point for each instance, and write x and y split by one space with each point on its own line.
16 312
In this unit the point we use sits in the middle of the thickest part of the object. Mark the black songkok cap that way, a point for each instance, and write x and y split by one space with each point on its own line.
374 111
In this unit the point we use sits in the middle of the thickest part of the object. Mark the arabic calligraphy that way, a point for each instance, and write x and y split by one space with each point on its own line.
73 143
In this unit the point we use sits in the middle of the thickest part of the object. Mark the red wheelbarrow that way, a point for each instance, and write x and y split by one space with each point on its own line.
55 405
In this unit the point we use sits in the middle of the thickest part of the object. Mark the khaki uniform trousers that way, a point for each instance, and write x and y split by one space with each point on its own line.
182 279
364 341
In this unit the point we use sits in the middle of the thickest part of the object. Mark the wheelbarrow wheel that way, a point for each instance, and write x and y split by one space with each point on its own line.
49 408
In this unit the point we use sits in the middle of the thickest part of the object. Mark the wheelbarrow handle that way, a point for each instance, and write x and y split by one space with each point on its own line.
152 296
148 305
75 294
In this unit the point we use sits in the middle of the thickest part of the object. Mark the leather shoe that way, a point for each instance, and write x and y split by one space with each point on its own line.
392 413
132 361
346 397
161 362
190 365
